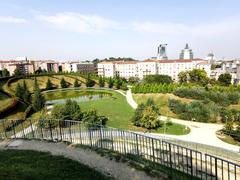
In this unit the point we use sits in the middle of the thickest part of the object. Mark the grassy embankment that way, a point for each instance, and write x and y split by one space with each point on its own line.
25 164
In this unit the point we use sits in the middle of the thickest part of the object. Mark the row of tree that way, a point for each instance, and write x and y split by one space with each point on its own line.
155 88
199 76
220 98
37 100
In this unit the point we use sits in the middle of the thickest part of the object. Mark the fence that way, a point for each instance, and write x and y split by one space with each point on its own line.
159 151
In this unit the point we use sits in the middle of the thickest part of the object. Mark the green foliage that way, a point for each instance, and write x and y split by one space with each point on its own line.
22 92
17 72
146 115
110 83
63 83
92 119
101 82
5 73
158 78
76 83
49 85
124 86
196 111
69 111
38 100
225 79
220 98
198 76
118 83
183 77
133 80
89 82
154 88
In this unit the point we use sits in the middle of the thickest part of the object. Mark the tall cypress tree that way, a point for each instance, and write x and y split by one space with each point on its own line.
38 100
26 94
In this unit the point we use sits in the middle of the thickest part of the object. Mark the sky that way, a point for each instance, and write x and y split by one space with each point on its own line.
89 29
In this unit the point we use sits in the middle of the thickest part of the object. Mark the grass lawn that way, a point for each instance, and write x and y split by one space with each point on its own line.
25 164
115 107
162 101
4 101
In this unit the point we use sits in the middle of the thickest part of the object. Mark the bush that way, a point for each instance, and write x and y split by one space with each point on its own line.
146 115
195 110
89 82
76 84
158 78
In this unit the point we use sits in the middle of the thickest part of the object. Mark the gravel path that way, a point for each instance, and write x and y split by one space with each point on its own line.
118 170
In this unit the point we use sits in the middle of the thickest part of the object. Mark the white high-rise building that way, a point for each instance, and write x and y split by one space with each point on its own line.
186 53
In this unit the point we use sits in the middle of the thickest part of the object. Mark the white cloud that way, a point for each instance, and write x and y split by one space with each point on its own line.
79 22
223 27
14 20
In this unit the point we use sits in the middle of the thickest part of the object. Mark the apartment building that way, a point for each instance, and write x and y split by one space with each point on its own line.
24 66
140 69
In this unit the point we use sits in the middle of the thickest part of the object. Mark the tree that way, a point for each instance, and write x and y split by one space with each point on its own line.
26 93
150 118
183 77
101 82
18 91
5 73
93 120
38 100
49 85
110 82
138 115
124 86
225 79
146 115
63 83
198 76
89 82
118 83
17 72
76 83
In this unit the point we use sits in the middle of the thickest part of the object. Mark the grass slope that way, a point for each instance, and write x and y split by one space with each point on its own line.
24 164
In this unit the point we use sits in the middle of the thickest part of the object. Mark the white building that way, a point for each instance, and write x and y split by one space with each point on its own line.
140 69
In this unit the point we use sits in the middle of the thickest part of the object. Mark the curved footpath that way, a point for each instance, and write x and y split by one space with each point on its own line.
203 133
118 170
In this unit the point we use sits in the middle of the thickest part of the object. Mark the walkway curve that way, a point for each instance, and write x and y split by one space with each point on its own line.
203 133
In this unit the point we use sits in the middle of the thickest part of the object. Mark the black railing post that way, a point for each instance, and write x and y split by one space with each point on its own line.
80 135
216 172
137 144
13 129
4 128
60 130
112 139
101 137
153 150
32 128
170 154
90 136
70 132
50 128
23 130
191 162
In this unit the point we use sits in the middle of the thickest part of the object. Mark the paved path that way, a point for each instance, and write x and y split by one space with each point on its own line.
204 133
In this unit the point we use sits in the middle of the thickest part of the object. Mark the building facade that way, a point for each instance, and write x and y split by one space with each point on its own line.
186 53
150 67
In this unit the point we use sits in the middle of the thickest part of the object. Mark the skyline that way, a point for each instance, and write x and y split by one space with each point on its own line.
88 30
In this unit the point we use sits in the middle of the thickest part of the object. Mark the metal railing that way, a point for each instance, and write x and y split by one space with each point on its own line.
160 151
